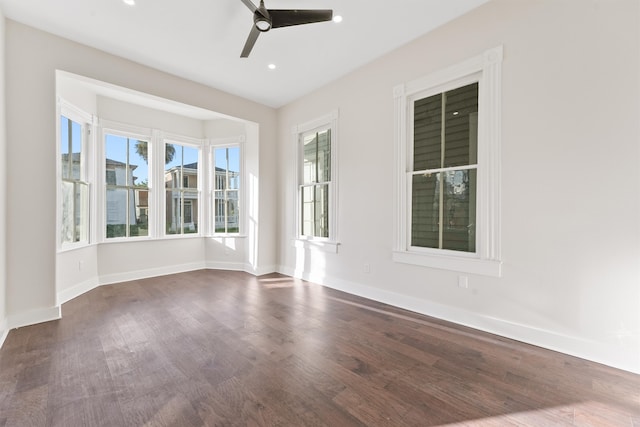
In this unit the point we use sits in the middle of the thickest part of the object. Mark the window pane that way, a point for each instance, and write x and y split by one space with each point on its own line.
309 169
324 156
233 212
461 126
219 212
427 133
173 212
190 167
425 208
315 211
458 210
190 211
234 167
459 232
117 212
81 212
116 160
140 224
322 211
138 158
66 230
70 149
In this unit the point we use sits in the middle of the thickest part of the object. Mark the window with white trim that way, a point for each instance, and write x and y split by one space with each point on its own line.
227 177
126 164
316 146
447 149
74 177
182 198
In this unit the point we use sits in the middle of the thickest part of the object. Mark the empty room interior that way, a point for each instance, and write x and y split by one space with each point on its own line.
320 212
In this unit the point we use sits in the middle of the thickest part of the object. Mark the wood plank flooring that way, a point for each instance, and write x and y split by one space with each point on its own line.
217 348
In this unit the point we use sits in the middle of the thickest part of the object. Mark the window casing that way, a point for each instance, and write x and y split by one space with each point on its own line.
227 183
316 171
447 132
74 176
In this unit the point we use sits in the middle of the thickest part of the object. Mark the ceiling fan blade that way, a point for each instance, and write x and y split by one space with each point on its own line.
286 18
252 7
251 40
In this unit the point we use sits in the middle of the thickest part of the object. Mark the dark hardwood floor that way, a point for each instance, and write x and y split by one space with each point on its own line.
223 348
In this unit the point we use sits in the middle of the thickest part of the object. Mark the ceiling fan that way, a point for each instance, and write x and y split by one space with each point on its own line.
265 19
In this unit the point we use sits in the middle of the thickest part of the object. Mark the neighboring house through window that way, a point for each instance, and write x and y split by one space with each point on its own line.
447 150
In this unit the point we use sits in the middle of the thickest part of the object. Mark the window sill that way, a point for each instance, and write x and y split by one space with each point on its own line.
482 267
323 246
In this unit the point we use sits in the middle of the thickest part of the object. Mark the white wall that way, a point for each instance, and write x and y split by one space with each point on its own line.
32 57
570 184
3 190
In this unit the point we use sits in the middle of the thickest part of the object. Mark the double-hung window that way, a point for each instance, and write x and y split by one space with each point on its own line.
126 163
182 191
226 189
74 177
447 162
316 143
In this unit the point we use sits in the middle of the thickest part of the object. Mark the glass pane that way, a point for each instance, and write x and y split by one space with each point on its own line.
116 160
461 126
140 199
308 211
138 158
66 230
322 211
219 212
459 233
425 210
315 211
324 156
233 212
427 133
173 212
70 149
190 167
116 212
173 166
234 167
310 162
81 212
190 211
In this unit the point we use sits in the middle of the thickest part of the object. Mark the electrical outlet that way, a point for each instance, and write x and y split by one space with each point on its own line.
80 265
367 268
463 282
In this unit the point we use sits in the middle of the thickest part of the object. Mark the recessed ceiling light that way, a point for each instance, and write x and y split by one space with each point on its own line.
272 66
129 2
337 18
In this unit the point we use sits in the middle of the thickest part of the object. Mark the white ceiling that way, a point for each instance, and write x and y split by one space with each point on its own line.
201 40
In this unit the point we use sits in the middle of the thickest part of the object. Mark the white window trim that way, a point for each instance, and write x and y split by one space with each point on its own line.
163 139
331 243
234 141
487 259
87 121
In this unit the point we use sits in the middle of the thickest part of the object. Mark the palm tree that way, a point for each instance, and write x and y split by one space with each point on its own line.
169 151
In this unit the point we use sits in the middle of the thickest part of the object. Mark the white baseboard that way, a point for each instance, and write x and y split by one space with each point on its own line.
76 290
110 279
573 346
33 317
